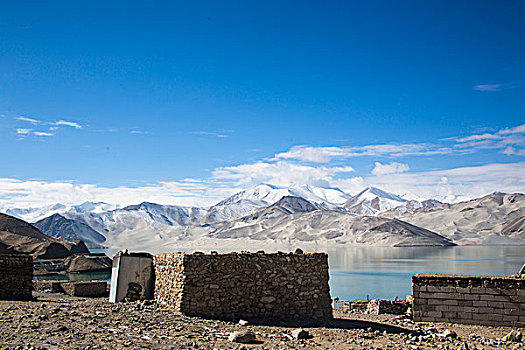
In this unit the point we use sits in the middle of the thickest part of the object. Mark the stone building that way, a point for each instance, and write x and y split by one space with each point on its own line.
251 286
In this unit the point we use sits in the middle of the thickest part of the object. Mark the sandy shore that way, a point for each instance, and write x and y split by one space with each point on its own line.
56 321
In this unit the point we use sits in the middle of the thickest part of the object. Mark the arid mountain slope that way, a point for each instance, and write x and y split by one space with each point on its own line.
17 236
304 223
497 218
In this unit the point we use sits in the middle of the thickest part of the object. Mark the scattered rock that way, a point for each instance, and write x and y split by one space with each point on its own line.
244 337
513 336
301 334
449 334
243 322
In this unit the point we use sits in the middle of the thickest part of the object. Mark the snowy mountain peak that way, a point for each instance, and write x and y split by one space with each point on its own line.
377 192
373 200
267 194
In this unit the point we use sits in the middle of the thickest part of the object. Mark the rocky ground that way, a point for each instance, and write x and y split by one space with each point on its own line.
55 321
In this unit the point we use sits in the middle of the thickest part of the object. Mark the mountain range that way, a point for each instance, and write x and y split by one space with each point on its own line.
268 214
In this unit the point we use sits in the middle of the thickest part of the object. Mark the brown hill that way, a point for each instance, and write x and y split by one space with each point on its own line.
20 237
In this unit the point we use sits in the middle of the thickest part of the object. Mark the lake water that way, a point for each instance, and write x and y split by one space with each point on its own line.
385 272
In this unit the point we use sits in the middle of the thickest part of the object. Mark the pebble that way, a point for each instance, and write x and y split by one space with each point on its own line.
244 337
301 334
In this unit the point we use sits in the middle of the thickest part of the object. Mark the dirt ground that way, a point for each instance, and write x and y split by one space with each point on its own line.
56 321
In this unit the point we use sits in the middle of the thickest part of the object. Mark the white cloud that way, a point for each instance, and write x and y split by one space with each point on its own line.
23 131
520 129
67 123
513 151
29 120
488 87
42 133
35 193
392 168
326 154
485 136
280 173
456 184
447 185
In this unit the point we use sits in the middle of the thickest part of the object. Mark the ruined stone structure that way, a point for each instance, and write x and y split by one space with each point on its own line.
374 307
250 286
485 300
16 277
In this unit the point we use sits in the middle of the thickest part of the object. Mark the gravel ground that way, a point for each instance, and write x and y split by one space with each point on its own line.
56 321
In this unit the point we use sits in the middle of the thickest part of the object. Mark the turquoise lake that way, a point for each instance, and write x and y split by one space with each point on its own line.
385 272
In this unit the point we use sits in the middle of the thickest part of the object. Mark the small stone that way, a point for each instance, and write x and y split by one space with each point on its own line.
244 337
268 299
243 322
513 336
298 251
301 334
62 329
449 334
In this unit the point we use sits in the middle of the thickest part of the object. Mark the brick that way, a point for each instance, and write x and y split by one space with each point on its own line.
478 290
494 291
516 312
496 304
450 315
477 303
464 302
474 297
462 290
487 297
441 295
508 318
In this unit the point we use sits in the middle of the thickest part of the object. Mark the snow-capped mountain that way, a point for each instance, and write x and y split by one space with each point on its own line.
266 194
71 230
296 220
39 213
414 206
322 214
372 201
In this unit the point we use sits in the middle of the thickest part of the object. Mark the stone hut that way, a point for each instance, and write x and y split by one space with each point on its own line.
286 287
16 277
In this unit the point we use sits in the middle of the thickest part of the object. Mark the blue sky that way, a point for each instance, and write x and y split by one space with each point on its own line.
186 102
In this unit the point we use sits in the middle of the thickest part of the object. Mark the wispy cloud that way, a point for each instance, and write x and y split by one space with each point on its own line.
488 87
23 131
67 123
513 151
43 133
220 134
327 154
478 137
29 120
497 87
509 140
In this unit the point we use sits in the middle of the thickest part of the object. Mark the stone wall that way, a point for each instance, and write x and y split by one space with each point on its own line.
85 289
485 300
250 286
16 277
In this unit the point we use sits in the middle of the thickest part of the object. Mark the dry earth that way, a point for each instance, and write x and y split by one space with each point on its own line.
56 321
